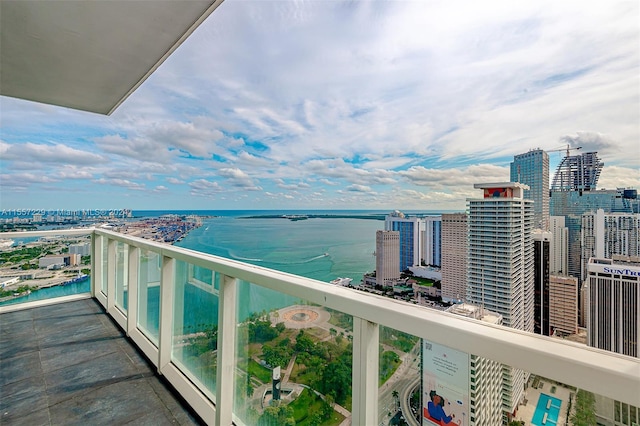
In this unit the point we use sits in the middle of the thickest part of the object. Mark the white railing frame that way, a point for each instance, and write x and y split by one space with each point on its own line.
606 373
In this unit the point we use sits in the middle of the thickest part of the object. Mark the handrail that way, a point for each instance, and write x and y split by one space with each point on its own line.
613 375
603 372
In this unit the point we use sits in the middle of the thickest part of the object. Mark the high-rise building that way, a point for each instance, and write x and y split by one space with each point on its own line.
541 244
454 257
432 241
563 304
500 273
532 169
606 234
83 249
559 248
578 173
613 304
485 375
573 204
612 300
411 230
387 257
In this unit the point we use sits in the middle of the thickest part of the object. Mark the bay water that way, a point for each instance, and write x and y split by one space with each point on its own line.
318 248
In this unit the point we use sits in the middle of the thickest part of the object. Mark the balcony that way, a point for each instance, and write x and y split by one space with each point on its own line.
188 312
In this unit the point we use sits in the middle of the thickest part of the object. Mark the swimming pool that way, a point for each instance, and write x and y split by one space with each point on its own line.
546 405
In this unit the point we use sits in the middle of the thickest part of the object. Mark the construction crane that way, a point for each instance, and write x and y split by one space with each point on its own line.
567 149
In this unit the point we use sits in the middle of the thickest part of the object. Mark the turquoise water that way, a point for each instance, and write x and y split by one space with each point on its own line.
541 408
318 248
51 292
323 249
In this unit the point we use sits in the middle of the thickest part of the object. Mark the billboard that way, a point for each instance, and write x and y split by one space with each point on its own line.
445 391
498 193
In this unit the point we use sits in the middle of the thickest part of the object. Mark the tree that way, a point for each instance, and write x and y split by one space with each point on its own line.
277 415
327 407
585 409
304 343
396 396
336 379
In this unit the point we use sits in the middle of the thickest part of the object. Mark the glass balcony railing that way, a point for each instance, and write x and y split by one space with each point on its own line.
247 345
45 265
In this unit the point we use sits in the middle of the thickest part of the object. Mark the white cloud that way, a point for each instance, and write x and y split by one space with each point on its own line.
204 188
238 178
121 182
405 103
45 153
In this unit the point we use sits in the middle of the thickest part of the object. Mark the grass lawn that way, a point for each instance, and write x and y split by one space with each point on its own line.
305 376
308 403
426 282
389 363
261 373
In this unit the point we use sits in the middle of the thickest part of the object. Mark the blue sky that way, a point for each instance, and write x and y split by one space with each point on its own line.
343 105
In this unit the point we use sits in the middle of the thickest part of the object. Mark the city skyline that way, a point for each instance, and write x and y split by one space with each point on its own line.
282 105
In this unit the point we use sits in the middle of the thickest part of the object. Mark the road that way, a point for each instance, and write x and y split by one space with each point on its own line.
403 380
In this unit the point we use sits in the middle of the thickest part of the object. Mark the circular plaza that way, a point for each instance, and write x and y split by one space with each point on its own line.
301 316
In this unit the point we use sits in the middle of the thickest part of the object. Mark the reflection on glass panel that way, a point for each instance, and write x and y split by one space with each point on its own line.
438 385
122 275
195 328
149 294
294 360
105 264
48 268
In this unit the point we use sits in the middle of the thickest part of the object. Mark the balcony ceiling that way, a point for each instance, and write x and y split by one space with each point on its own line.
89 55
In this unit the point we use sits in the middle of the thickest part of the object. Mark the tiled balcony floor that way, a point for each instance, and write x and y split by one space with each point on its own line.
69 364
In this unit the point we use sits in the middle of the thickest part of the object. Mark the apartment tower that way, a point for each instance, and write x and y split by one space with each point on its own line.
500 273
606 234
411 230
387 257
532 169
563 305
559 248
613 304
541 245
485 375
432 241
454 257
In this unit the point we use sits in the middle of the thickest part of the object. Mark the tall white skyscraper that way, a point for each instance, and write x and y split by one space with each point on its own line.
411 231
559 248
485 375
501 265
532 169
387 257
454 257
605 234
432 241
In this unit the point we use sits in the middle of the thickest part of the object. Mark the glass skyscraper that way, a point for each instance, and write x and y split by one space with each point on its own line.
532 169
410 229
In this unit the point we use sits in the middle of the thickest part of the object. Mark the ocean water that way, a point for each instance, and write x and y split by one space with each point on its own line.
318 248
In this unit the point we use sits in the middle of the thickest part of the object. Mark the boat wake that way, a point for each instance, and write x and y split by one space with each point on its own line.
298 262
248 259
